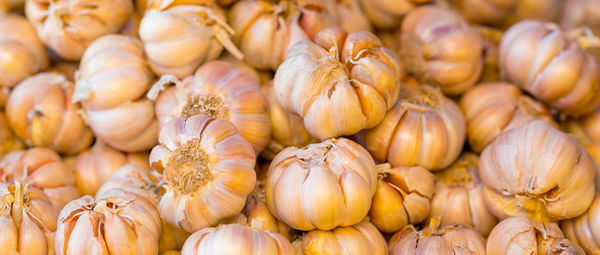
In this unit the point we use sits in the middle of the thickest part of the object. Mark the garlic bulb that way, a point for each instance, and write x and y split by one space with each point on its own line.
124 120
22 52
402 197
521 235
340 84
207 168
550 65
361 238
424 128
496 107
388 14
351 17
95 166
133 178
120 222
458 196
437 238
8 141
537 171
233 239
265 30
68 27
322 185
221 90
43 169
503 13
287 129
256 215
179 36
41 113
28 220
585 229
440 48
580 13
586 129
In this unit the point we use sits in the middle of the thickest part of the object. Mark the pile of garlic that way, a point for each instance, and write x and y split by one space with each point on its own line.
280 127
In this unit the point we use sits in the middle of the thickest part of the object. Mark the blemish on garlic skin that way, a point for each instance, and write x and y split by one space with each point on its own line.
187 168
211 105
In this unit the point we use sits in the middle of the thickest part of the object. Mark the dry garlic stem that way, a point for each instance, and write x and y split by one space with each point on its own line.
68 27
503 13
179 36
120 222
361 238
537 171
113 80
402 197
339 85
458 196
265 30
27 220
424 128
43 169
8 141
580 13
552 66
95 166
207 168
437 238
440 48
41 112
585 229
233 239
22 52
222 90
388 14
521 235
287 129
322 185
132 178
494 108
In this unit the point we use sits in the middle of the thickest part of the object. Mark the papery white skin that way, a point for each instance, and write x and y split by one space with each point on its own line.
322 185
68 27
538 171
230 162
340 84
23 53
234 239
521 235
124 120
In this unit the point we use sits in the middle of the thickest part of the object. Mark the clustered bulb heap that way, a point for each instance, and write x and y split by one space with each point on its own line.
299 127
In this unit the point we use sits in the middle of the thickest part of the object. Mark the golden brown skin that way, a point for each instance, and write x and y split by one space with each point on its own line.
388 14
552 66
521 235
537 171
339 84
